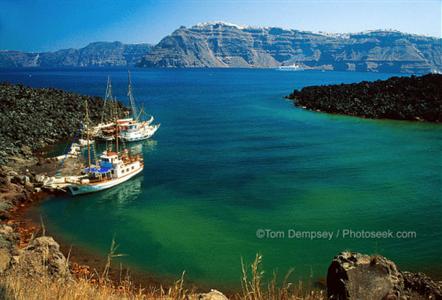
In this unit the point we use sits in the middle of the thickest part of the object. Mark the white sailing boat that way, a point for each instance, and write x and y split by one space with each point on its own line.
133 129
111 169
105 130
130 129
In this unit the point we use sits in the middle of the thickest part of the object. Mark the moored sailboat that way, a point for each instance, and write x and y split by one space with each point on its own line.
105 130
111 169
131 128
135 129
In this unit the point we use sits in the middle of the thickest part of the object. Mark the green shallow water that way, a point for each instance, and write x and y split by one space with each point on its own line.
232 157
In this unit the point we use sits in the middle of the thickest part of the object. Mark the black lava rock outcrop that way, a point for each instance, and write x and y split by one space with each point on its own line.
31 119
401 98
359 276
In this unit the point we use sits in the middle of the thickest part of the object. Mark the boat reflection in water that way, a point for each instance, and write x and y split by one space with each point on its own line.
122 195
128 192
117 199
146 146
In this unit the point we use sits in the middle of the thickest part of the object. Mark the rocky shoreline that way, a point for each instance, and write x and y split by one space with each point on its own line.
400 98
32 119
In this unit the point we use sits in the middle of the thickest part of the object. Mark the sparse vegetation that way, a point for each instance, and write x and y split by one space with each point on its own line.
253 287
17 286
98 285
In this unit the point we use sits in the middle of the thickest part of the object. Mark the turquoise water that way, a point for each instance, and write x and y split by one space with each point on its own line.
232 157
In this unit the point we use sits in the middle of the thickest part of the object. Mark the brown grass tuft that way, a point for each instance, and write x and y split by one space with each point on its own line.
98 286
253 287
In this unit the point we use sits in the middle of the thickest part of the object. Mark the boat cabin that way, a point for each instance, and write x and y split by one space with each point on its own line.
108 158
99 174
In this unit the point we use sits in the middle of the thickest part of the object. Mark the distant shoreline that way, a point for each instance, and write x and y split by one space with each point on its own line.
265 47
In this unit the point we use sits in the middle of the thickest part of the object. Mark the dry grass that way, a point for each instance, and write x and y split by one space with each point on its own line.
253 287
98 286
45 288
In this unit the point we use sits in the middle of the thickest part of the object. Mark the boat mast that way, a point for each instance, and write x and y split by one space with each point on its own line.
87 136
116 136
131 98
117 109
107 97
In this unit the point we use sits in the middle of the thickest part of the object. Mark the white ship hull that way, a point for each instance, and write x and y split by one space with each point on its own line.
106 138
139 135
78 189
293 67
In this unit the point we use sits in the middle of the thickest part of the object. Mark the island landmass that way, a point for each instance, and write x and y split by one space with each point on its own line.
225 45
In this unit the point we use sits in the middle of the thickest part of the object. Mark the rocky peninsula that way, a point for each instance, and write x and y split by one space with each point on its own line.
399 98
32 119
32 265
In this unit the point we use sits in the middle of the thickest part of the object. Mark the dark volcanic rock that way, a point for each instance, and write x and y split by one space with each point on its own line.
360 276
11 194
226 45
34 118
421 284
402 98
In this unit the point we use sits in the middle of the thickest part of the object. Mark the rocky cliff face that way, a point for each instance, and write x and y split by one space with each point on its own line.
97 54
226 45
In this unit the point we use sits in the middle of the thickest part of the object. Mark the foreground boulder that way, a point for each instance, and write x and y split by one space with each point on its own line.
212 295
43 255
14 190
359 276
8 240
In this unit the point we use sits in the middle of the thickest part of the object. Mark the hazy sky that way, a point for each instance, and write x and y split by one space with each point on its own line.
38 25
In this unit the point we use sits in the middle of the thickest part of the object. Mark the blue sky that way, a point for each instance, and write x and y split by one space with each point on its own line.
38 25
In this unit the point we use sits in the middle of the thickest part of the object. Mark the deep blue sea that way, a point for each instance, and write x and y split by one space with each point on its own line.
233 159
